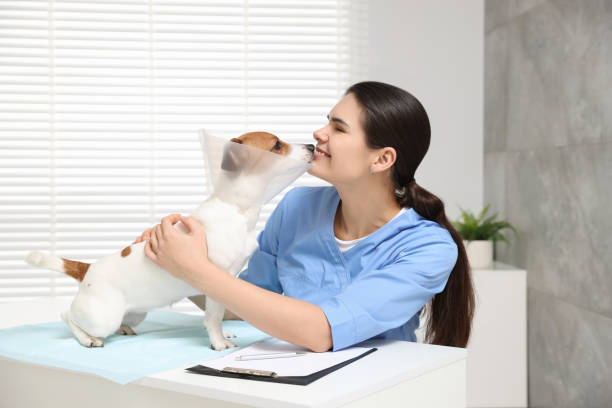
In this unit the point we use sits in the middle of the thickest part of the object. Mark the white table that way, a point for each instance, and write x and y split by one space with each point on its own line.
398 374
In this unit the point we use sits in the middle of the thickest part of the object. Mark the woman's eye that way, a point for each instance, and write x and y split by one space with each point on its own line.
277 146
339 130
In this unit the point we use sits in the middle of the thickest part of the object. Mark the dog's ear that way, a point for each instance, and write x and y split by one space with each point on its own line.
231 157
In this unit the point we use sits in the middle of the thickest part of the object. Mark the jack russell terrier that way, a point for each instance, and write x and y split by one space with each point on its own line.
116 292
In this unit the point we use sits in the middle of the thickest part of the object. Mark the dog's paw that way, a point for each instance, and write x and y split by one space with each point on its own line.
228 334
125 330
222 345
93 342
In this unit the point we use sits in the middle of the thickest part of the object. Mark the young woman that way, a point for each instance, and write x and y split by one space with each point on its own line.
355 260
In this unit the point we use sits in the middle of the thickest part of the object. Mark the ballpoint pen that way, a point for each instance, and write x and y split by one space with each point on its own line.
270 355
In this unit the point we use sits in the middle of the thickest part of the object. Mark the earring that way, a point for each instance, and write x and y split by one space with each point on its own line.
371 171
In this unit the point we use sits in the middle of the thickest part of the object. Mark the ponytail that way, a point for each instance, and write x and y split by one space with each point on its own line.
449 313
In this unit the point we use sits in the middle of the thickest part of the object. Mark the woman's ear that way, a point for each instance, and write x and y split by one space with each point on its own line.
386 158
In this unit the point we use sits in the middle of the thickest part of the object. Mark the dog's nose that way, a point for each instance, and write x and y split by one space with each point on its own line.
310 147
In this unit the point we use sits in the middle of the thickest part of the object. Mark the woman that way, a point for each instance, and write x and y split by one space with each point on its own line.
355 260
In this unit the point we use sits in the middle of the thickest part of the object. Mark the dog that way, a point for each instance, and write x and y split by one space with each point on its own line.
116 292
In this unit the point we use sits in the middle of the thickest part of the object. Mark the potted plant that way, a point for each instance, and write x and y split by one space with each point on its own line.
479 236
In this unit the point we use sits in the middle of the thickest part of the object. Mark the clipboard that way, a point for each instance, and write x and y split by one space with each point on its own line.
269 376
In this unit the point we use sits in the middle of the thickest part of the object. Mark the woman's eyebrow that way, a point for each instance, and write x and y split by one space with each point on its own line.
335 119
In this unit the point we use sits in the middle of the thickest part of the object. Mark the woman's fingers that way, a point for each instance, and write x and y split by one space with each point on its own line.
154 240
168 221
191 223
145 236
157 235
149 251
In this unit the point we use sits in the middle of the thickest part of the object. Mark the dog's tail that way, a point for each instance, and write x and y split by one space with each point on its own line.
75 269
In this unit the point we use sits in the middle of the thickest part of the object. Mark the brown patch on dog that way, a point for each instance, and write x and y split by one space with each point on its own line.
126 251
75 269
264 140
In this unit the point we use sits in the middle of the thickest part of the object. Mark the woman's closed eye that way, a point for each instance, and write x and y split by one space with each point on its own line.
339 129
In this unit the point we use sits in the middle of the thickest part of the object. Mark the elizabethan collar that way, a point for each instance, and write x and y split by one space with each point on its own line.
246 175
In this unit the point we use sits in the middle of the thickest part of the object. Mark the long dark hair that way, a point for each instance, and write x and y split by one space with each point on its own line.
394 117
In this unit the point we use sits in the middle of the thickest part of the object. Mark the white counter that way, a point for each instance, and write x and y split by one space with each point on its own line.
398 374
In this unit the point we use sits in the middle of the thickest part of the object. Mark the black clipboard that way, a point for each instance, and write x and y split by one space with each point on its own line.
267 377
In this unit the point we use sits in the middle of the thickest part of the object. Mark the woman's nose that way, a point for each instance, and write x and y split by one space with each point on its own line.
318 134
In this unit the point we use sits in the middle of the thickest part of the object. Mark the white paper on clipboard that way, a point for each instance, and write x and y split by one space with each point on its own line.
306 364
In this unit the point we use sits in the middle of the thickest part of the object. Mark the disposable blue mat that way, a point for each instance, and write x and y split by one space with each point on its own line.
165 340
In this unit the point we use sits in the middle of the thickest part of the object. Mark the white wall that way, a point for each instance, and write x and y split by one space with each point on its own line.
434 50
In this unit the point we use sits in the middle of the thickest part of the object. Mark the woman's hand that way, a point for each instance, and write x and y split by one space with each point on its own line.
145 236
183 255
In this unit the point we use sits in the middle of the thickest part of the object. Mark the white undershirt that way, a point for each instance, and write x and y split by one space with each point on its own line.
346 245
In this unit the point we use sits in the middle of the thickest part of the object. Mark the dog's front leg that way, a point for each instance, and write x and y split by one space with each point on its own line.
212 321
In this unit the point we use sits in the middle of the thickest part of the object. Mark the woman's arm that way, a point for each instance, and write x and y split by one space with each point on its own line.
185 256
293 320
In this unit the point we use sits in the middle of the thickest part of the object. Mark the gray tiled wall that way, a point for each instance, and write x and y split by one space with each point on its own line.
548 170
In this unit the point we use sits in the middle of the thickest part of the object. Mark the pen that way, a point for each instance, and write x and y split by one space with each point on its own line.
271 355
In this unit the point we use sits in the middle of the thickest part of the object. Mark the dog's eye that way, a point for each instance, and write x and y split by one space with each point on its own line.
277 146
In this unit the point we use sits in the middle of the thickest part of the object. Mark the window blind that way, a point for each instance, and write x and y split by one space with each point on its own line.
101 101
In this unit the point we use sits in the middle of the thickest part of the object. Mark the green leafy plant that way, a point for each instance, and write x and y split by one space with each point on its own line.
472 228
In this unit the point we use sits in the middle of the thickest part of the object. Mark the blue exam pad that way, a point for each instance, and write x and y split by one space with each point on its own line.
165 340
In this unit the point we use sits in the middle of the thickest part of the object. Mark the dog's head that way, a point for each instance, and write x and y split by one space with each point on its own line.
238 159
251 169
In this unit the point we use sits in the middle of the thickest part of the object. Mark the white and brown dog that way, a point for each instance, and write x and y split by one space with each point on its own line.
116 292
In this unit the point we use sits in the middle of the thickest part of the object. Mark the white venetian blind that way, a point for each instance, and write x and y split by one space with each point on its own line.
100 103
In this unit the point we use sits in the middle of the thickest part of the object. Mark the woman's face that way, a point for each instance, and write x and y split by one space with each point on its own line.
344 140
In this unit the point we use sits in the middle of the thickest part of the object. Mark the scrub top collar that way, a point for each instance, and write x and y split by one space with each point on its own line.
331 236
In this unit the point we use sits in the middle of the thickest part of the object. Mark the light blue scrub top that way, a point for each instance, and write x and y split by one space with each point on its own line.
375 289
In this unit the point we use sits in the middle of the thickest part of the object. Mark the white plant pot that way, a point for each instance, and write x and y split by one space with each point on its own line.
479 253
